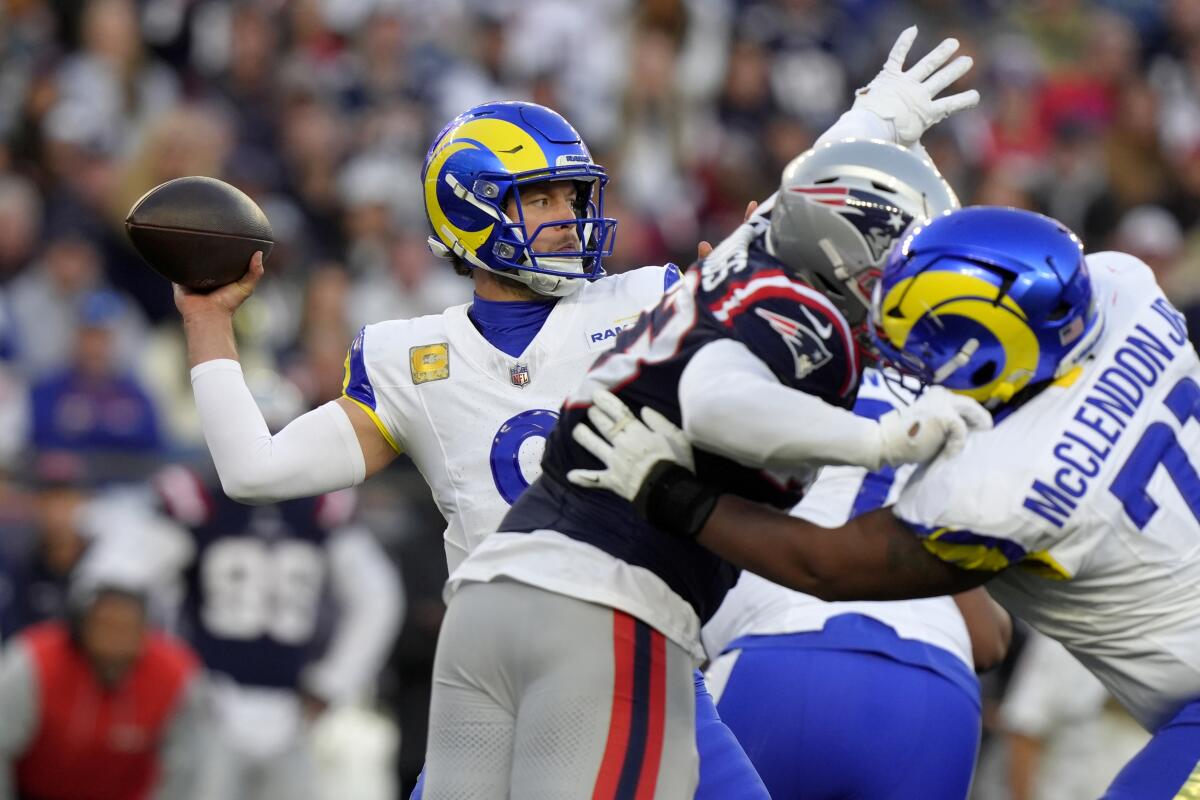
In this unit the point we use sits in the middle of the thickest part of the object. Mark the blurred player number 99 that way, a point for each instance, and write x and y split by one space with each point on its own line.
198 232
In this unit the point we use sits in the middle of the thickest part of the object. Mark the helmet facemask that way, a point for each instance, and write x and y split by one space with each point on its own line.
842 209
555 272
992 303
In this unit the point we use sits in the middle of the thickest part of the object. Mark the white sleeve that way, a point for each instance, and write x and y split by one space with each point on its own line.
370 599
317 452
828 501
733 405
858 123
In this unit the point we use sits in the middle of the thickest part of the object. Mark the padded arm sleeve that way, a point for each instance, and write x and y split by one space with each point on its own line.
733 405
317 452
858 123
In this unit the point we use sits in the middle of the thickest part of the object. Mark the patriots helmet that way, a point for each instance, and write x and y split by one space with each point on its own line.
841 208
986 301
480 161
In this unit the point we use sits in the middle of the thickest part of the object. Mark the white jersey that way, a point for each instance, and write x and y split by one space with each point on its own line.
473 418
756 606
1088 498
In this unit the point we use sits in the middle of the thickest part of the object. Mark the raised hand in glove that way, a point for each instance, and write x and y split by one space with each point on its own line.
907 99
936 424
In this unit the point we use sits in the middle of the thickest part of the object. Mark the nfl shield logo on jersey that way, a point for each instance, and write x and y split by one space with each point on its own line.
520 375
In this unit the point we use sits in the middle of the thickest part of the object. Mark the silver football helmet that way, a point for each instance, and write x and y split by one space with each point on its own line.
841 208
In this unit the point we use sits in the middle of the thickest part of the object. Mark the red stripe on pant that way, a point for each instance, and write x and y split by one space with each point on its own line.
657 722
616 749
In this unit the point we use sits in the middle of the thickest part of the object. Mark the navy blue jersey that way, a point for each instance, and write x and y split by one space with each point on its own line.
256 588
791 327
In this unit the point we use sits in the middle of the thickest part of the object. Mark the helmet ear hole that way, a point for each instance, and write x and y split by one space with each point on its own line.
826 286
984 375
1060 311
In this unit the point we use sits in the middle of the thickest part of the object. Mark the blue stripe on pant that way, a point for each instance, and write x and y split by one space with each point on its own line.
1167 765
834 722
725 770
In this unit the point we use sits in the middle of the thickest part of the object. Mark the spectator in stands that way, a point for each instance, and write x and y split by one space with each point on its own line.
45 304
20 224
112 75
41 560
98 707
94 404
291 607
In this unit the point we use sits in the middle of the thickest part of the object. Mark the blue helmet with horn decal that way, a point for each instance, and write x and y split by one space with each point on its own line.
986 301
479 163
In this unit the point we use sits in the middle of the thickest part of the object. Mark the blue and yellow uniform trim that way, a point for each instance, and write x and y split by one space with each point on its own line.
978 552
356 386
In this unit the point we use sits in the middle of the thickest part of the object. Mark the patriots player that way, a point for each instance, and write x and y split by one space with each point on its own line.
742 331
1081 508
799 680
514 199
256 588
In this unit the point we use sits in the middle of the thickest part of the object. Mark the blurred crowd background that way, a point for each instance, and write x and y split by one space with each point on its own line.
322 111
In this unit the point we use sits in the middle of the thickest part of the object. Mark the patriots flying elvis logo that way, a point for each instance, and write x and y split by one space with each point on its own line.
809 352
874 216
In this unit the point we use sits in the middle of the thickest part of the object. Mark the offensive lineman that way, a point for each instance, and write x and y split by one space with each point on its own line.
1082 505
800 681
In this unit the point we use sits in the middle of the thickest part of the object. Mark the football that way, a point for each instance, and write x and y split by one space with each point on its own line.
198 232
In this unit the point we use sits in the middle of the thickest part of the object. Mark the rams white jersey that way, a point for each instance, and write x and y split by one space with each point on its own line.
1088 498
473 418
756 606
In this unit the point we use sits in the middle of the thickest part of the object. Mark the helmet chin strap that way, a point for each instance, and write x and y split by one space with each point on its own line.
553 285
842 272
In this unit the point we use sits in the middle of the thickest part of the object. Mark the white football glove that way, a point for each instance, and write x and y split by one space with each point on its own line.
937 423
906 98
628 446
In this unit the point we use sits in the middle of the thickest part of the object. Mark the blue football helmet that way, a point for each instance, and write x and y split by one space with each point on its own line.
986 301
479 161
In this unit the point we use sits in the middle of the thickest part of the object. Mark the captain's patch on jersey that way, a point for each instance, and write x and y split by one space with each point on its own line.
429 362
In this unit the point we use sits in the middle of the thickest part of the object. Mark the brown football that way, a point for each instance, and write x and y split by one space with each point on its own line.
198 232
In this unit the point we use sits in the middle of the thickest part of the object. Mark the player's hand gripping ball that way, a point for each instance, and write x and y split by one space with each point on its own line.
198 232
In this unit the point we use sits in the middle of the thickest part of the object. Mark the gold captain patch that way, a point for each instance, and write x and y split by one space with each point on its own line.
429 362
